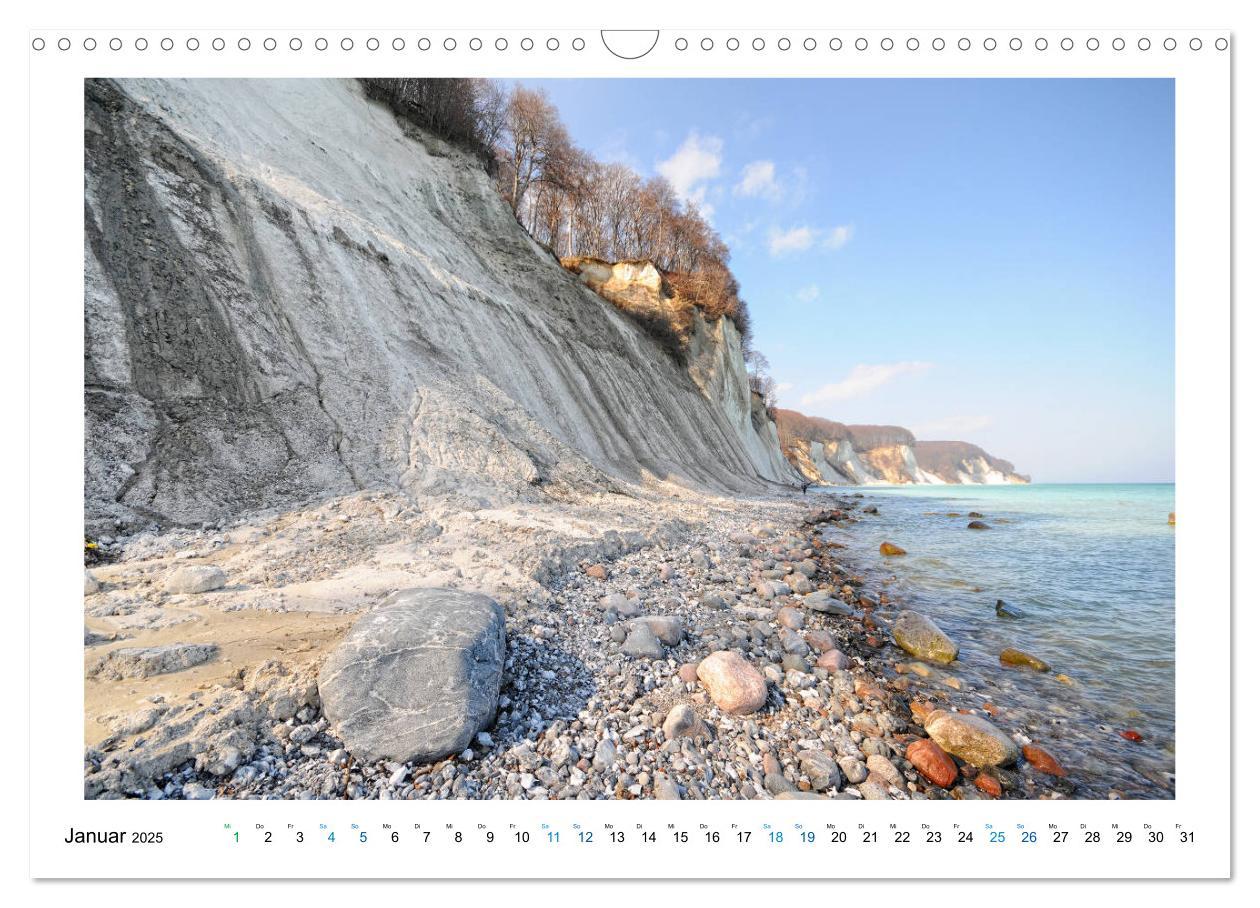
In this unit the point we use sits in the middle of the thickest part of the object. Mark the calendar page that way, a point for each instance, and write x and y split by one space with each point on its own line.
551 450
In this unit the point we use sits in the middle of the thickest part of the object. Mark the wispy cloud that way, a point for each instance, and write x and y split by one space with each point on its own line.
808 293
696 162
798 239
838 236
803 238
758 181
862 380
952 425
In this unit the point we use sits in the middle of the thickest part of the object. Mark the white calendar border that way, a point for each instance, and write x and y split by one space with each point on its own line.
1202 408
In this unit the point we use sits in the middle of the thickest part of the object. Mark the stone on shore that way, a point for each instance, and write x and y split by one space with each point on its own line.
822 601
820 769
683 722
889 549
146 661
666 628
971 738
641 643
195 578
919 636
733 683
1012 656
90 584
415 679
933 764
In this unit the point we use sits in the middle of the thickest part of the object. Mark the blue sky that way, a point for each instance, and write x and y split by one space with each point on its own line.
986 260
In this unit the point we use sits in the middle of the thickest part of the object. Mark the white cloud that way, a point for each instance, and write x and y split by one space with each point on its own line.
952 425
838 237
798 239
862 380
758 181
696 161
803 238
808 293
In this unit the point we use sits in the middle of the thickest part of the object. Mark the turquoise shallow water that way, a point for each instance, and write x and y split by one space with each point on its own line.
1091 569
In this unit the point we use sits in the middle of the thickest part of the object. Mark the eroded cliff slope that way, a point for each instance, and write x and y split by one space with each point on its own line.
836 453
287 297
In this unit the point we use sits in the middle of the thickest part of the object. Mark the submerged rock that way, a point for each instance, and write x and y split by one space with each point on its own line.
971 738
889 549
1012 656
418 677
978 525
919 636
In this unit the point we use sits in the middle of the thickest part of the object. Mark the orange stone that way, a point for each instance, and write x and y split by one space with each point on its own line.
989 785
597 571
1131 735
933 764
1041 760
921 709
991 709
888 549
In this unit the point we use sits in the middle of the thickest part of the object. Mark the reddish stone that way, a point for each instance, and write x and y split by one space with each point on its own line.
887 549
821 641
687 672
989 785
598 571
864 687
874 642
991 709
1039 759
921 709
832 661
1131 735
933 764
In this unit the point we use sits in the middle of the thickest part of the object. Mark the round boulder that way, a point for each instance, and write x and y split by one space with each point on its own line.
416 678
919 636
733 683
970 738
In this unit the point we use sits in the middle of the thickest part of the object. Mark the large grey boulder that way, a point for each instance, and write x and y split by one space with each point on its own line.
416 678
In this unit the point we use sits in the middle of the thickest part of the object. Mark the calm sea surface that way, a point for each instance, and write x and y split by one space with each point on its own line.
1090 570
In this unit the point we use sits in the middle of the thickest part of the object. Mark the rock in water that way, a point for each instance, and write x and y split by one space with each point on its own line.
919 636
1005 611
735 686
975 740
195 578
978 525
418 677
888 549
1012 656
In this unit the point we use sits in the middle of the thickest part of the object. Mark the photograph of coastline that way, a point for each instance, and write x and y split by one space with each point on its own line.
616 439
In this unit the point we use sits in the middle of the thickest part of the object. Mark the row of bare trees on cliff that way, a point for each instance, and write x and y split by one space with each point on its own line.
571 202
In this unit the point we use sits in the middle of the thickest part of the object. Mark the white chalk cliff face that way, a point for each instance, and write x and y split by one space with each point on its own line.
837 454
288 298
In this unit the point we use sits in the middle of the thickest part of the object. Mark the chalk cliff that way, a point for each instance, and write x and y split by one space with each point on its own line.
287 297
831 452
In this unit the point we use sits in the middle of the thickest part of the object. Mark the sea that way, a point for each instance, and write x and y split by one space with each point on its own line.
1088 569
